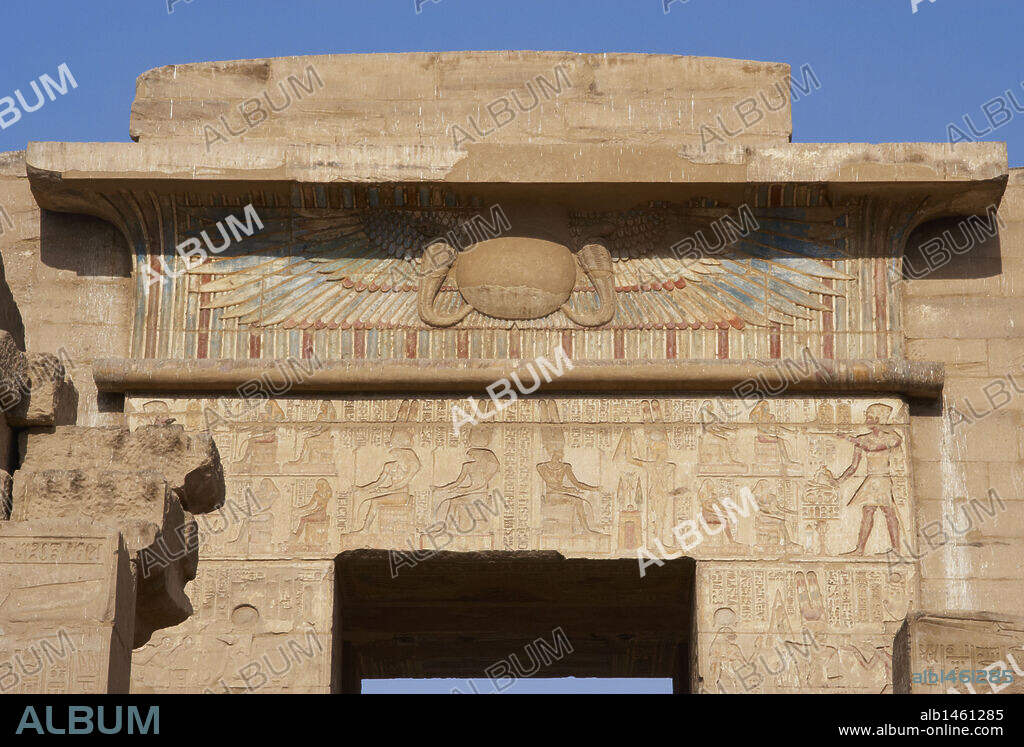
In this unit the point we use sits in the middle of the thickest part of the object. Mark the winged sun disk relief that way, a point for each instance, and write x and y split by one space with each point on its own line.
380 269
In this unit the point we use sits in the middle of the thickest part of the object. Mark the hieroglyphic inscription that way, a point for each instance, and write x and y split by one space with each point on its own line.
958 654
591 477
257 627
67 607
798 626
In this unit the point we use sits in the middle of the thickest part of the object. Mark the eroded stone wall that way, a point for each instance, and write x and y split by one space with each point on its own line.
66 288
969 314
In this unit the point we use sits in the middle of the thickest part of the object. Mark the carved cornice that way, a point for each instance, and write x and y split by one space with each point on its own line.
886 190
924 181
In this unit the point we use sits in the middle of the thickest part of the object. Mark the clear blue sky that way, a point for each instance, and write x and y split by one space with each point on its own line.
534 686
887 74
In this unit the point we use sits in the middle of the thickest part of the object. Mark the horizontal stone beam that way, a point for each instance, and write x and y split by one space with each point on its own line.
743 377
51 163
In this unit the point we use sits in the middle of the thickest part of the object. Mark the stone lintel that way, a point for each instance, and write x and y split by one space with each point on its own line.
910 378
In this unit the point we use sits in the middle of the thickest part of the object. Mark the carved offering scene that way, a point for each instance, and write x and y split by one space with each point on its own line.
792 478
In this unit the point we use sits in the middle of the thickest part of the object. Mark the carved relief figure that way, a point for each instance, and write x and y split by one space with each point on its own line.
153 661
261 523
867 664
259 447
311 527
896 602
875 492
317 447
717 447
562 489
771 520
564 509
770 445
391 488
823 668
725 657
659 472
713 515
474 480
775 651
629 493
193 415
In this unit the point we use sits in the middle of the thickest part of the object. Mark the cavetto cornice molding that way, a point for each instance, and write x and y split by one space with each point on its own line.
920 181
896 187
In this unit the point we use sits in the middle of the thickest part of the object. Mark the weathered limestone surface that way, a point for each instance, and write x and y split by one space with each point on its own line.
35 389
985 651
68 294
798 626
263 627
49 396
311 477
13 370
966 311
115 478
189 463
67 607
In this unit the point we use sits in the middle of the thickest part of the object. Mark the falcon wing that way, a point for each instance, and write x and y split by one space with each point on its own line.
716 267
309 270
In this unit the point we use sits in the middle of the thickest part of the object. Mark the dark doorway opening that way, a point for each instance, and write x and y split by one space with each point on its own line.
504 616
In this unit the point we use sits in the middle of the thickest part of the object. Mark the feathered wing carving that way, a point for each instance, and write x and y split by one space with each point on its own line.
304 271
364 269
716 267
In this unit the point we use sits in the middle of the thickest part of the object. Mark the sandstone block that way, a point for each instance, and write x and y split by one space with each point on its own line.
189 463
964 642
68 607
49 396
13 372
113 477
